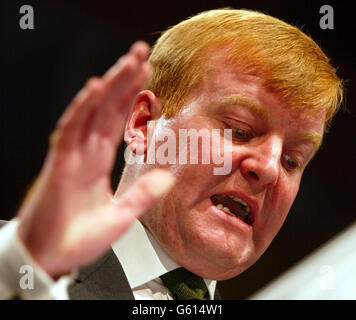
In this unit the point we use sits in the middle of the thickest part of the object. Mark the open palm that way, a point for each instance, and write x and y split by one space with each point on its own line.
69 218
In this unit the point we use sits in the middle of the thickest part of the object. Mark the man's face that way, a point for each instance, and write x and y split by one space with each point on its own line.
271 146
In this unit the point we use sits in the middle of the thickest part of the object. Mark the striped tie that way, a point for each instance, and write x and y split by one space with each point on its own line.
185 285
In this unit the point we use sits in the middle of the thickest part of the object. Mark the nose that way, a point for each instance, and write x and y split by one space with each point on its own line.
261 164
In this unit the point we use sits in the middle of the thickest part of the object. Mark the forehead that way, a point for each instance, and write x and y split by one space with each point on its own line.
223 88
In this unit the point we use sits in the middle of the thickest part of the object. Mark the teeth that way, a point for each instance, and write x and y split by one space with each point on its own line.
241 201
226 209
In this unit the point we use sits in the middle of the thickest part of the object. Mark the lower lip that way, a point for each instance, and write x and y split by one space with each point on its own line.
236 222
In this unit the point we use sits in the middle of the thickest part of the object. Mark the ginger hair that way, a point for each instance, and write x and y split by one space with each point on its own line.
288 61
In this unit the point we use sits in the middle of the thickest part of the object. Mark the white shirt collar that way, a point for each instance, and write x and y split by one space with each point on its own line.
143 259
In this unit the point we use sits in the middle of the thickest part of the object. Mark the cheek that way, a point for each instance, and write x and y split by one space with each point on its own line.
284 193
284 202
275 212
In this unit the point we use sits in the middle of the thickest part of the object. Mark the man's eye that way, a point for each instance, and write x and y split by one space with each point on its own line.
290 162
241 134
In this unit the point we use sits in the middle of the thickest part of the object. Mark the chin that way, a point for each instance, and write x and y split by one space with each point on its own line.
234 268
218 264
219 272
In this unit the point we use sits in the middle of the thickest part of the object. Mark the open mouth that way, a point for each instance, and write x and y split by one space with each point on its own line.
233 206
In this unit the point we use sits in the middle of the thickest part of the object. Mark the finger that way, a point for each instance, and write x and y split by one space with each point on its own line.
73 123
123 69
111 121
123 82
82 110
140 197
139 50
103 225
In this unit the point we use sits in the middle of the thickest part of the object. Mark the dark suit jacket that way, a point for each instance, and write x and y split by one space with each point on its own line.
103 280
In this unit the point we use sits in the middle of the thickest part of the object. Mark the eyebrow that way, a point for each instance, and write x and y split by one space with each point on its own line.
315 137
245 102
238 99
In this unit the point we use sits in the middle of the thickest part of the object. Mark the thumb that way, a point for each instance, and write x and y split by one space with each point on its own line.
144 193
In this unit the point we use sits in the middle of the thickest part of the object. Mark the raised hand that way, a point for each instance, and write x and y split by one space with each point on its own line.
69 217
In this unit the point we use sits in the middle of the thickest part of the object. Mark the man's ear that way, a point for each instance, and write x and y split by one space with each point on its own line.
146 107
